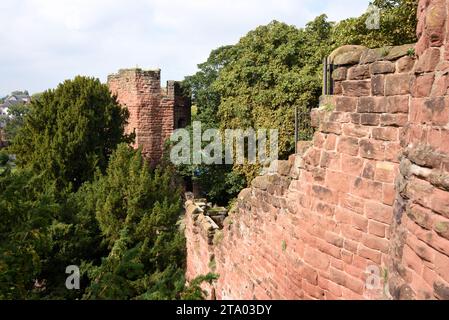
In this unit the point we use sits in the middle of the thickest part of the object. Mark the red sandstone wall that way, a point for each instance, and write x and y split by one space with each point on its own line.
153 111
370 190
420 260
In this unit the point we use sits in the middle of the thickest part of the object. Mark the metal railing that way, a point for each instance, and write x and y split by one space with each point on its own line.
303 126
328 83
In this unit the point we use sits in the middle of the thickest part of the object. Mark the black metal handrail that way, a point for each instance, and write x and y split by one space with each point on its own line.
328 83
303 126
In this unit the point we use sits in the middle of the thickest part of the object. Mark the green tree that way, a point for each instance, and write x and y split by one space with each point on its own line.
397 26
15 119
70 132
275 68
194 291
200 86
26 211
220 182
137 212
4 158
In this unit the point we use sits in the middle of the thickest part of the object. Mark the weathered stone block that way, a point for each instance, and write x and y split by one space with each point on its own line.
316 117
379 212
386 134
371 149
438 109
355 118
405 64
440 179
330 160
394 120
385 172
348 54
442 228
422 85
378 85
331 127
324 194
380 67
435 20
359 72
356 131
397 84
264 182
372 55
331 142
351 165
369 119
341 117
345 104
340 74
424 155
338 88
397 52
389 194
371 105
348 145
393 151
398 104
440 202
441 290
428 61
367 189
373 255
338 181
440 86
369 170
356 88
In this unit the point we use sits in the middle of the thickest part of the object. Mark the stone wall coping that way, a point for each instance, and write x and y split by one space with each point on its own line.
355 54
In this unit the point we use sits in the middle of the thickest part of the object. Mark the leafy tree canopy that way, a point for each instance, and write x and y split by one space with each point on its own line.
70 132
14 120
397 26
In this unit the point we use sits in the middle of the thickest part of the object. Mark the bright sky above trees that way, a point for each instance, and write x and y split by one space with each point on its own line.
46 41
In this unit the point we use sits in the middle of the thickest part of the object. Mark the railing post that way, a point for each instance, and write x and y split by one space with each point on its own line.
331 81
325 76
296 129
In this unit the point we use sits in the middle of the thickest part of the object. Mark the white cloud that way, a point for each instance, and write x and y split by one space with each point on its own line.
47 41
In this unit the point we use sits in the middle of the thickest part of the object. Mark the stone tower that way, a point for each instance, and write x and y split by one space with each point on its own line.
154 112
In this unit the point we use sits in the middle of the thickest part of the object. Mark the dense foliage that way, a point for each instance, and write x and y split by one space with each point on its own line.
26 212
137 213
14 120
117 219
397 26
70 132
220 182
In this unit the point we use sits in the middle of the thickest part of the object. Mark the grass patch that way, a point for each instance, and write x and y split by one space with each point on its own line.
213 265
218 237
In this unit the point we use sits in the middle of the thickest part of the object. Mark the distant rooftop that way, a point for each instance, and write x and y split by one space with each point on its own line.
14 98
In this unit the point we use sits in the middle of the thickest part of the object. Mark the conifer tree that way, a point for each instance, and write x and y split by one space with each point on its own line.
137 211
70 132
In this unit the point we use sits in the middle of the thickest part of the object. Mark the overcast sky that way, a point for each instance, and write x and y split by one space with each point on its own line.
44 42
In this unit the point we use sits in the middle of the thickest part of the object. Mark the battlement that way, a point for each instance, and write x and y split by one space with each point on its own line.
155 112
152 73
